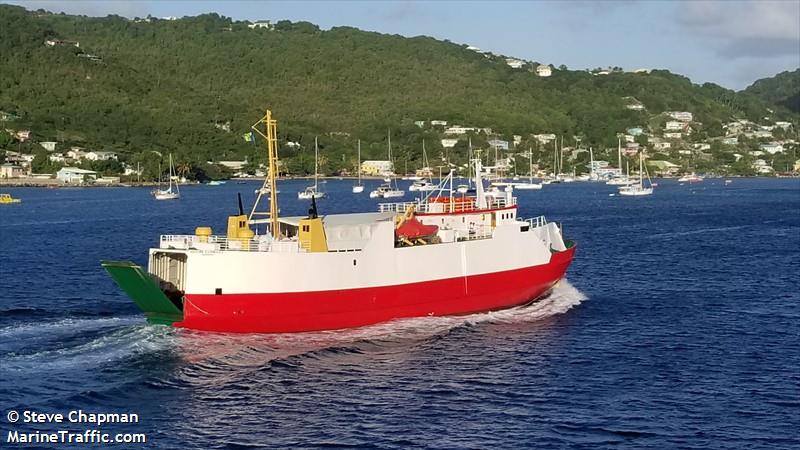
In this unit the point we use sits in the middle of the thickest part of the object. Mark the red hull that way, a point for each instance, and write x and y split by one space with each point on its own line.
328 310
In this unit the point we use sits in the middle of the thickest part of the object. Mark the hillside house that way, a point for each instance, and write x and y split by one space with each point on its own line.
683 116
635 131
544 70
498 143
730 140
674 125
662 168
57 158
635 106
441 123
515 63
449 143
76 154
376 167
458 130
100 156
261 24
772 148
48 145
9 170
762 168
545 138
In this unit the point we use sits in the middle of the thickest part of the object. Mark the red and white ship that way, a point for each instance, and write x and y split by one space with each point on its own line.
448 254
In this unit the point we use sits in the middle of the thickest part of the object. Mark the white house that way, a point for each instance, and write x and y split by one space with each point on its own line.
784 125
442 123
11 171
76 154
57 157
498 143
673 135
459 130
376 167
261 24
100 156
544 70
730 140
635 106
449 143
49 146
661 145
419 123
683 116
515 63
772 148
762 134
702 146
675 125
545 138
762 167
517 139
73 175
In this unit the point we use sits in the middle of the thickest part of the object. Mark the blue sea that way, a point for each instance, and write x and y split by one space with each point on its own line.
678 326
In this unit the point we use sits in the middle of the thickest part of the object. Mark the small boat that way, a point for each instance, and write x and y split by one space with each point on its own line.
727 182
465 189
358 188
411 178
309 193
690 178
215 183
386 191
313 191
265 190
7 199
169 193
422 186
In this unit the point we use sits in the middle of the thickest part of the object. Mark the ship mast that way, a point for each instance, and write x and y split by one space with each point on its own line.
271 182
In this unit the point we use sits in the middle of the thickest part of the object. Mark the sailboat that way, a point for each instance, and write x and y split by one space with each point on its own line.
169 193
312 192
386 190
638 190
423 184
530 185
358 188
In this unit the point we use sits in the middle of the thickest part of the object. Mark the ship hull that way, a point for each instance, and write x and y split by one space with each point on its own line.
349 308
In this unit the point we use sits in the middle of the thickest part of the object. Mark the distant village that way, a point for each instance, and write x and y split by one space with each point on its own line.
664 142
666 139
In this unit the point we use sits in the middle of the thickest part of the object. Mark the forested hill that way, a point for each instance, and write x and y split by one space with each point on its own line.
174 85
782 90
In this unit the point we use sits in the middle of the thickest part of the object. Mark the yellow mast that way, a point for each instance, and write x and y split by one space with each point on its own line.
271 137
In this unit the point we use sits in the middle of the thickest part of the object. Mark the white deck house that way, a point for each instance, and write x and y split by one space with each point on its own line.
544 70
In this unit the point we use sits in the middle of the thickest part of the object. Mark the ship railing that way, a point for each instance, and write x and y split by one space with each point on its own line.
536 222
213 244
445 207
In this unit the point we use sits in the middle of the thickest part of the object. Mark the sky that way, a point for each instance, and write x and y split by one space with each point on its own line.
731 42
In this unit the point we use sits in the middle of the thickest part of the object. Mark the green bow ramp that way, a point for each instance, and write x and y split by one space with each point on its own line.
144 290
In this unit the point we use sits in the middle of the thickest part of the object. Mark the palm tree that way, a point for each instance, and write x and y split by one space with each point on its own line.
183 169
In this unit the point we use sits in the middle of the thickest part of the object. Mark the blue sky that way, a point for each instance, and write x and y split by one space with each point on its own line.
731 43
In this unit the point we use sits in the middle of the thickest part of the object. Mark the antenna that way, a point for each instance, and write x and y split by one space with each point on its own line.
241 208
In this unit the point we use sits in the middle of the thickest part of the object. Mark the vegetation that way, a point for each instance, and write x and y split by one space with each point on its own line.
782 90
147 88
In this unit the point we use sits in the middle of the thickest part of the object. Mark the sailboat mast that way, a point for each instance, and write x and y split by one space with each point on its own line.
316 162
641 172
359 162
530 164
619 154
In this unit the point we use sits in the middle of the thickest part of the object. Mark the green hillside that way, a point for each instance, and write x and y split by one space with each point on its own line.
782 90
133 86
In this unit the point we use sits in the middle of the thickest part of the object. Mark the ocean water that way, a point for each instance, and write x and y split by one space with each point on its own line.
678 326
